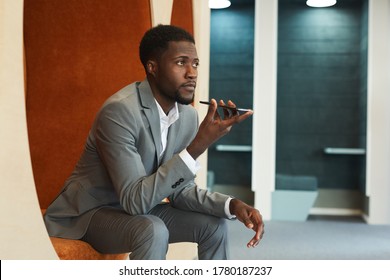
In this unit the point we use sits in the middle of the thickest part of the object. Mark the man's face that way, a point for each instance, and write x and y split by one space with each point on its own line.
176 73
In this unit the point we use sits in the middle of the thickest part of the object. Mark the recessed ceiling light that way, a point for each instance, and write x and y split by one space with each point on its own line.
219 4
320 3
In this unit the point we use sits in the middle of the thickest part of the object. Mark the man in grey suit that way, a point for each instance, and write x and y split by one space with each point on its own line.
133 188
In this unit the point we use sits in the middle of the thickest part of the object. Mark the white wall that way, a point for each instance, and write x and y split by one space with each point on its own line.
201 15
378 113
264 104
23 234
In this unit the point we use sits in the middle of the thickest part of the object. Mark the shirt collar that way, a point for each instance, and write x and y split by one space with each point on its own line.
173 114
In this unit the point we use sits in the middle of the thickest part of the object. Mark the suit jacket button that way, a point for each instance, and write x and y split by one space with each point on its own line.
181 180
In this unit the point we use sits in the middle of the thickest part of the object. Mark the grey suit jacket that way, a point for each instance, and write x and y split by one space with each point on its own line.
120 165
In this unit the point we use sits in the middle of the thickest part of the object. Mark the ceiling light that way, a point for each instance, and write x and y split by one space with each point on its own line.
320 3
219 4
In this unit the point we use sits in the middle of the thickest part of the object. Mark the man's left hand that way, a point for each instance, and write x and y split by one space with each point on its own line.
251 217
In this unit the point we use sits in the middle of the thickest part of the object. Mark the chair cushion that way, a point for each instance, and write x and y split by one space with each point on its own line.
69 249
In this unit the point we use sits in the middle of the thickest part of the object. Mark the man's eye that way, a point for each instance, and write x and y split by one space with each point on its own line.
181 63
195 64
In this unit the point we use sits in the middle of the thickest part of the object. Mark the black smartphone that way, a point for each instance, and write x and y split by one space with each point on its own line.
227 107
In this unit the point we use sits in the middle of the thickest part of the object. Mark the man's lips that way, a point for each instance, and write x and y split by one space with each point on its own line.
190 86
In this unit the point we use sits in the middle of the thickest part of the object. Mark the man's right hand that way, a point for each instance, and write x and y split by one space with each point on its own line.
213 127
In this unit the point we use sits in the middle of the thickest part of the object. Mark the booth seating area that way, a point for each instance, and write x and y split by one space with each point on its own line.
293 197
77 54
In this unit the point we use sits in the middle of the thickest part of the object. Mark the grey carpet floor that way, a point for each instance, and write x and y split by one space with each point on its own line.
315 239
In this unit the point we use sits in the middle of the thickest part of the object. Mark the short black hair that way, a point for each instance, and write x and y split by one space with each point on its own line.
155 40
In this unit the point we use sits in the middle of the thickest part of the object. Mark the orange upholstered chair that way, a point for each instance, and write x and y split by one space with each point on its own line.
77 53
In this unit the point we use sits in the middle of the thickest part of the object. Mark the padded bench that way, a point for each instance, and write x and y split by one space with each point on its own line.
293 197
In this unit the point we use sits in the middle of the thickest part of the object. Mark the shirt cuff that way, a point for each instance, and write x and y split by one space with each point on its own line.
227 210
192 164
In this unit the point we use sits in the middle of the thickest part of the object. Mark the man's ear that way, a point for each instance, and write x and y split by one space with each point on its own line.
151 67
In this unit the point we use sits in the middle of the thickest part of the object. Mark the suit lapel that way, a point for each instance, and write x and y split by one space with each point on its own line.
150 109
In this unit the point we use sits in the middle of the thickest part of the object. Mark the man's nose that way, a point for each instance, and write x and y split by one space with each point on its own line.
192 72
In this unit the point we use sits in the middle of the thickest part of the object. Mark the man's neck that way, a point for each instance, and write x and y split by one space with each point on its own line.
165 104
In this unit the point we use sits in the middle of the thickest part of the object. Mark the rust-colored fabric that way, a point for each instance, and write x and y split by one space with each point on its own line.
182 15
78 52
67 249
